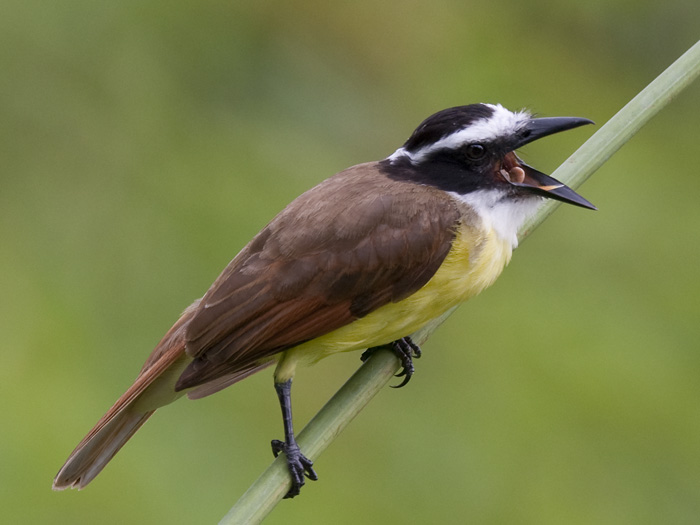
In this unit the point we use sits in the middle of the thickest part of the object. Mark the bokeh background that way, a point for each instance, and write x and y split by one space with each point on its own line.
143 143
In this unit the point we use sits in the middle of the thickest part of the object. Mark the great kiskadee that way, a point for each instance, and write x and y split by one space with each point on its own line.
365 259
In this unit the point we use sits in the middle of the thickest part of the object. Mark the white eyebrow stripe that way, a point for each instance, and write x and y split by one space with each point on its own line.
502 123
398 154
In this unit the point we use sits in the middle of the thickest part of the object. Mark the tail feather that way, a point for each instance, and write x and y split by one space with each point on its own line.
97 449
154 387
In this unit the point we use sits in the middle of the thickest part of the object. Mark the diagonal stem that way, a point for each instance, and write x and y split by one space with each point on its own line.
268 490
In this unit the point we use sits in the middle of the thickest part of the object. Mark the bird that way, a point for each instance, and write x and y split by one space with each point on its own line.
361 261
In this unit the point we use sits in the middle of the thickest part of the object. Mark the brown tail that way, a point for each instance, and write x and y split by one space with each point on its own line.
154 387
98 447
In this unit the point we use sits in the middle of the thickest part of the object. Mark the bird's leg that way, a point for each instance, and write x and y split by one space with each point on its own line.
405 349
298 464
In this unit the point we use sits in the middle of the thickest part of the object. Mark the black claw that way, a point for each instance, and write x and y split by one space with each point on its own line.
298 465
405 349
277 446
417 352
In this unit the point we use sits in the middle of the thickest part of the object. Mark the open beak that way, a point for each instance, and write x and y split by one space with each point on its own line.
541 184
519 174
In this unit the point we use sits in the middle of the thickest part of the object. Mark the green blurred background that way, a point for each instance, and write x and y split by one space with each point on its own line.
143 143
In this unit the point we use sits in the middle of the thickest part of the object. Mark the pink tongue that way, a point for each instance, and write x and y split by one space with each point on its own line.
517 175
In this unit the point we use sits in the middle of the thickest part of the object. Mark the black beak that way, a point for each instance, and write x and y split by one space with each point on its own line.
541 184
537 128
536 181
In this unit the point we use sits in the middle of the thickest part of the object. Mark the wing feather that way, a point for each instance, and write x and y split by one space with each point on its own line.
353 243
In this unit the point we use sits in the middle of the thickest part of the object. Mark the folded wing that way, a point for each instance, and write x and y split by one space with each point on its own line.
341 250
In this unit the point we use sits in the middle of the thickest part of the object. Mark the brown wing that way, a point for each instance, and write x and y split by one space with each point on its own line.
353 243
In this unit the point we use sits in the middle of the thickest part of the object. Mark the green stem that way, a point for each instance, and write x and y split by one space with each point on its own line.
271 486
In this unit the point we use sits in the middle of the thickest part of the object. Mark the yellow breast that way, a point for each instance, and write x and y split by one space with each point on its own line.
475 261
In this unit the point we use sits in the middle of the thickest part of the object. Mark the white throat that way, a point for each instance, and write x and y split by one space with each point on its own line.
503 215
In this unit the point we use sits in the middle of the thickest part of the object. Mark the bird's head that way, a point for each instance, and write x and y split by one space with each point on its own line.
470 150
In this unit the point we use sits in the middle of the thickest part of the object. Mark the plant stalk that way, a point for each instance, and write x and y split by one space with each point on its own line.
371 377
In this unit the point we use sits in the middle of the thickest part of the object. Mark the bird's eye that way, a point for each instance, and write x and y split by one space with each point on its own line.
475 151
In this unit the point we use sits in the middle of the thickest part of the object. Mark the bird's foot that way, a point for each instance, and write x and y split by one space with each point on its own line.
405 349
298 464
